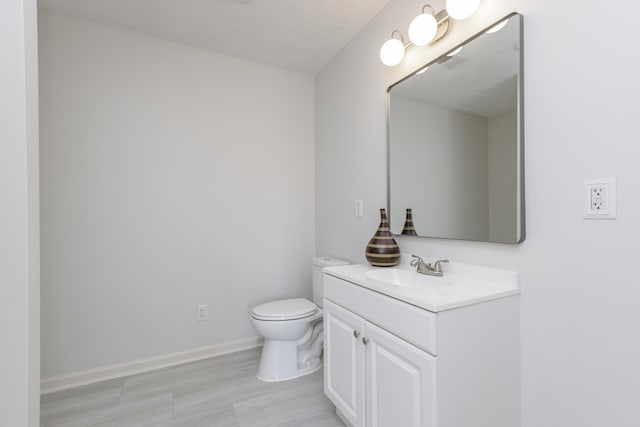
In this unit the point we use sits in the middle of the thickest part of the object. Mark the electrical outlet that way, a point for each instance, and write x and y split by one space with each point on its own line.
600 198
202 312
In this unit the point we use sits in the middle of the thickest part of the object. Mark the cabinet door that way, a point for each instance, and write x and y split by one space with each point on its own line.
400 382
344 362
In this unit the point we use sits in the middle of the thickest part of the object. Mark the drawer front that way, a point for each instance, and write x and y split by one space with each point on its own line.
413 324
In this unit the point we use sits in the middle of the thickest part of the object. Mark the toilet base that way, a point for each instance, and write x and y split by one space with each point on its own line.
279 362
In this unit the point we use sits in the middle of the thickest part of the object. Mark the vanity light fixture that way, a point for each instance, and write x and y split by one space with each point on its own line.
424 27
461 9
427 27
392 51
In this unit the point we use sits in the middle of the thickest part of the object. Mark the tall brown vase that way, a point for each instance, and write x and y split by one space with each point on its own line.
409 229
382 250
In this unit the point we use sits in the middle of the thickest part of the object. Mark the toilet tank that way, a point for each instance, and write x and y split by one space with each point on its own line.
317 265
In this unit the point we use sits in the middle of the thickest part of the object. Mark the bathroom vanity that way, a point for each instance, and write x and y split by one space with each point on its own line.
406 349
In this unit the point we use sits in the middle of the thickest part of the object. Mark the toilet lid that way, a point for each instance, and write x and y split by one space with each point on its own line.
286 309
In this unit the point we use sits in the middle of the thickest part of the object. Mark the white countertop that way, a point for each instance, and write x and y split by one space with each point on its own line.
464 286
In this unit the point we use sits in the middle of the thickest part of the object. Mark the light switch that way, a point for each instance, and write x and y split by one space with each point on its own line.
359 211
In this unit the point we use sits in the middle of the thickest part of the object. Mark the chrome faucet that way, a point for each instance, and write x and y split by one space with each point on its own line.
424 268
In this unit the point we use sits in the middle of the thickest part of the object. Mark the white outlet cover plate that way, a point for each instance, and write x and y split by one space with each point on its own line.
609 195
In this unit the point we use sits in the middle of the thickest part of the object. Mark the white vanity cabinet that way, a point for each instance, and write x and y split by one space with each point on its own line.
392 364
369 369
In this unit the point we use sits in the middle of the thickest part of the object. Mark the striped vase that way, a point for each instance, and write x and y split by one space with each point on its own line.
409 229
382 250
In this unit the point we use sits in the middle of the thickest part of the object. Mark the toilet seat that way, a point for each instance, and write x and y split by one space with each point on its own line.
286 309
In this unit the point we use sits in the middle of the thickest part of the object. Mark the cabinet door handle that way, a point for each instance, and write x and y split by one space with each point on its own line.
365 340
356 334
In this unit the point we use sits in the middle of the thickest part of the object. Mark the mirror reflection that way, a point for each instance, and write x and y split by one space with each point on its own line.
455 142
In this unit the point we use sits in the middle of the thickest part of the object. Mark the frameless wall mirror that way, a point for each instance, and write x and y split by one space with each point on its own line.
456 141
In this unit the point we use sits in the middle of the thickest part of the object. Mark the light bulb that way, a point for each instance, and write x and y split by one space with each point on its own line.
461 9
392 52
423 29
422 70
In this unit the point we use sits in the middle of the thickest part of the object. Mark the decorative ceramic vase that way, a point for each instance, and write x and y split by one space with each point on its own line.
409 229
382 250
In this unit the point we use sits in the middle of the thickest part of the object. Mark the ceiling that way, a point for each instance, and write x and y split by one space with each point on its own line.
300 35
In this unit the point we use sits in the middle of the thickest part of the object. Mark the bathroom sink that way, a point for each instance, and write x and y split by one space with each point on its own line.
405 278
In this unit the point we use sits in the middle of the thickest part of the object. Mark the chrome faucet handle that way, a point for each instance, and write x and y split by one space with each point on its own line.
416 260
437 267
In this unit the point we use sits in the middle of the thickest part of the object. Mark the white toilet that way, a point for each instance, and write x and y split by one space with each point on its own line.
292 331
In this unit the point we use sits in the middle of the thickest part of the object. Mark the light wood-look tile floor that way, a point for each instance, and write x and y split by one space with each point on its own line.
221 391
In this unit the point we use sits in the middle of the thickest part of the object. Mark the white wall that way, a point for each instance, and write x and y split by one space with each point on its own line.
439 158
503 177
171 176
19 228
580 287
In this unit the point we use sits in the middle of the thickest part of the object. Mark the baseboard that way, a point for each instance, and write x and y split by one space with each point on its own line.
63 382
343 418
